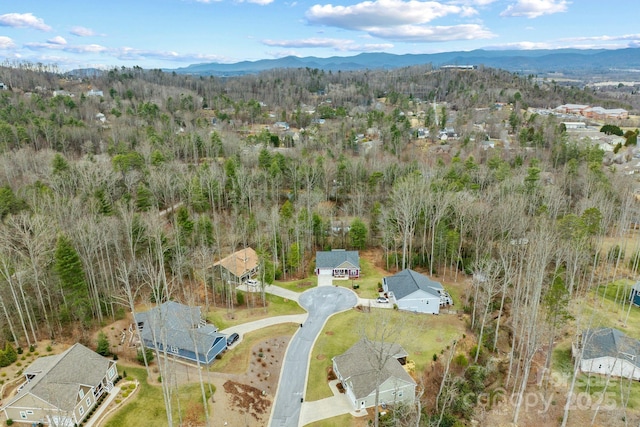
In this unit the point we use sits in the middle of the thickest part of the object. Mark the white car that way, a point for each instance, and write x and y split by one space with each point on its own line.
382 300
252 282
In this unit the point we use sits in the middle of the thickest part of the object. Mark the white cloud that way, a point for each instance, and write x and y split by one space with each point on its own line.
535 8
6 43
23 20
82 31
624 37
303 43
336 44
382 13
57 40
258 2
424 34
85 48
208 1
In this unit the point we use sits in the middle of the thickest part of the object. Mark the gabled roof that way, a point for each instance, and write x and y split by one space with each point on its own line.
408 281
240 263
336 257
603 342
361 364
58 378
178 325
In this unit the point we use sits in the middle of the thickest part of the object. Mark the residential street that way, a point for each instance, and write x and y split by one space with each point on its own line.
321 303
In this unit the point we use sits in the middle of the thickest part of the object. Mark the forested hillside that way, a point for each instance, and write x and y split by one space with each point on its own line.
108 200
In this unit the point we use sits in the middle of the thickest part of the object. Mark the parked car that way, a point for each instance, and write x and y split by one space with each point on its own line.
232 338
252 282
382 300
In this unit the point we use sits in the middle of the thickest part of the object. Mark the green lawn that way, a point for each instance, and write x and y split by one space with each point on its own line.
607 313
421 335
368 281
147 407
236 360
298 285
276 306
339 421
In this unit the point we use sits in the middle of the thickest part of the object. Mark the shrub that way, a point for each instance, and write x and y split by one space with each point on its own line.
49 349
9 422
148 353
103 345
240 298
32 348
461 360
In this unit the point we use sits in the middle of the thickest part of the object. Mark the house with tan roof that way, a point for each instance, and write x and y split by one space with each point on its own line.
61 390
369 366
238 267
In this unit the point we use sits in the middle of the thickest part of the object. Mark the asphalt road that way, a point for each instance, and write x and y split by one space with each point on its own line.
320 303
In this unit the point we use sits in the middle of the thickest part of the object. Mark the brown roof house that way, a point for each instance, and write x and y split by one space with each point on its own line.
61 390
369 365
239 266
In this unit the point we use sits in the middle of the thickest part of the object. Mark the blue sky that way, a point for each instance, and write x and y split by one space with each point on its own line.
176 33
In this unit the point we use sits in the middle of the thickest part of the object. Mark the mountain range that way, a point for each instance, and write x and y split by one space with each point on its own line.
566 61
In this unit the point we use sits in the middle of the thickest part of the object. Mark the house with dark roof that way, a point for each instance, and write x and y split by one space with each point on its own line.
412 291
180 331
608 351
61 390
369 366
635 294
238 267
338 263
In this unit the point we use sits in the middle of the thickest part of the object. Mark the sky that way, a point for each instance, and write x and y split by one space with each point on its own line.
175 33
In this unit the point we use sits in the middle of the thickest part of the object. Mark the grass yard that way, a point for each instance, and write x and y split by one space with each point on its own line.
339 421
147 407
300 285
368 282
421 335
601 306
276 306
236 360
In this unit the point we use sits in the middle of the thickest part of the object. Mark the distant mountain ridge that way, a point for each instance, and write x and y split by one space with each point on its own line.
525 61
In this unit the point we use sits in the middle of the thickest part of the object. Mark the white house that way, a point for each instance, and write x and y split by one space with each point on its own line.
608 351
412 291
338 263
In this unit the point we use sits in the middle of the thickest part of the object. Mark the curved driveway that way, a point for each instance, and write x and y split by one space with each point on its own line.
320 303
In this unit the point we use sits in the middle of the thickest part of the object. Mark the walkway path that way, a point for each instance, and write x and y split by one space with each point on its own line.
320 303
272 289
333 406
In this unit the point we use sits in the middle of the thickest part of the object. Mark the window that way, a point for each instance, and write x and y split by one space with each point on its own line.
112 372
81 410
29 412
88 401
400 393
81 393
23 415
173 349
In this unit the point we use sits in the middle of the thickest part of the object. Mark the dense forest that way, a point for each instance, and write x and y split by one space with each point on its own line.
130 195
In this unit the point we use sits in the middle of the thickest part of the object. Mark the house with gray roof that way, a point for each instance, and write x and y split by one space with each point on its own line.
608 351
412 291
180 331
369 366
61 390
338 263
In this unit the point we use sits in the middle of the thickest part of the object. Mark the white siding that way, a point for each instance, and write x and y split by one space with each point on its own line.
420 302
610 366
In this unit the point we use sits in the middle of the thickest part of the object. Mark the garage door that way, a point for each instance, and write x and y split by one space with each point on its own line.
325 280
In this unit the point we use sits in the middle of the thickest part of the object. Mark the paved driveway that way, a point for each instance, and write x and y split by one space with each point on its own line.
321 303
325 280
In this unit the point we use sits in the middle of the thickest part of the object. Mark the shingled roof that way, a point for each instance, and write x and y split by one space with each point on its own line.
178 325
58 378
360 365
337 257
408 281
603 342
240 262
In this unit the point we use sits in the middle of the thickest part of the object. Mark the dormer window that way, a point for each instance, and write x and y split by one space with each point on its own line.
81 394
